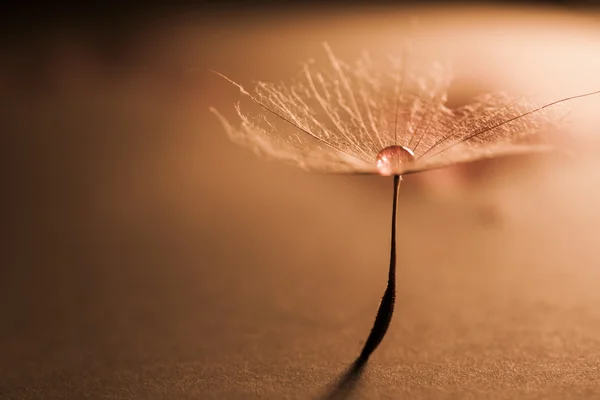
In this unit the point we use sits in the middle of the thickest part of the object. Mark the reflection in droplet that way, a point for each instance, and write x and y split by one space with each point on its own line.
390 160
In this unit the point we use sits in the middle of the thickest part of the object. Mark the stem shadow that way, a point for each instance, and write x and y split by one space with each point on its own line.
346 383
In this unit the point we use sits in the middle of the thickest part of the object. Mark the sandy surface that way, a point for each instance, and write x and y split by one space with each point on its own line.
149 258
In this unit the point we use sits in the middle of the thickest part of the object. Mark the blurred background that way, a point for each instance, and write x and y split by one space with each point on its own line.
147 257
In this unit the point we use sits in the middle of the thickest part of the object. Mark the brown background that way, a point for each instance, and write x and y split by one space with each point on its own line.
147 257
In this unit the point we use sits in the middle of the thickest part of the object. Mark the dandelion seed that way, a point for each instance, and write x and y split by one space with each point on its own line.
389 121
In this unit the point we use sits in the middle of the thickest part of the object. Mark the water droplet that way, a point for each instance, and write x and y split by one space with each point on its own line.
390 160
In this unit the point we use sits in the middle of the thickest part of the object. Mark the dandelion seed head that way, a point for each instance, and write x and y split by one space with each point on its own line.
385 118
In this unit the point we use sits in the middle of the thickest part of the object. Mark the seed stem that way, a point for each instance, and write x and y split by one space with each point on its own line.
386 307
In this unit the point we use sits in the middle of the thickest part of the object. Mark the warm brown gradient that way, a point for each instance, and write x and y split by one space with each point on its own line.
147 257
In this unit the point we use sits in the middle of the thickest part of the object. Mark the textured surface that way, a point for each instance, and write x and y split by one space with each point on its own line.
150 258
